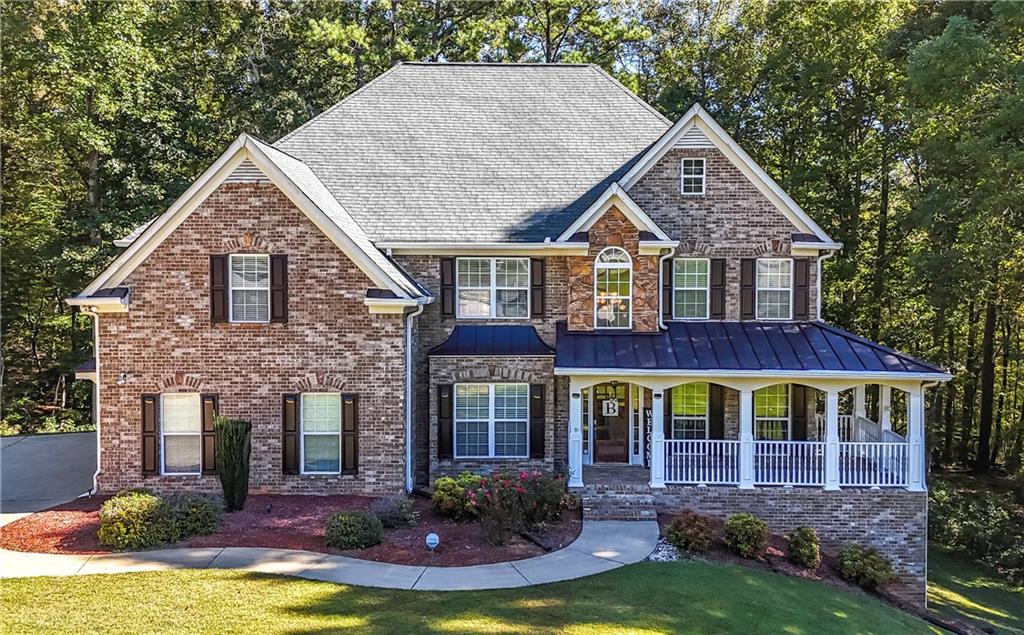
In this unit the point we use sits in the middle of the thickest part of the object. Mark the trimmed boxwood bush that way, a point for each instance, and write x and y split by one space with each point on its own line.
395 511
865 567
689 531
803 548
746 535
136 520
353 530
195 514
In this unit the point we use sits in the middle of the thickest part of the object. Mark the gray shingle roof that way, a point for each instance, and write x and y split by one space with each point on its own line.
475 152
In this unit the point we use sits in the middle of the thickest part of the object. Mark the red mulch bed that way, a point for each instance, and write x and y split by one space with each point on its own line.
294 522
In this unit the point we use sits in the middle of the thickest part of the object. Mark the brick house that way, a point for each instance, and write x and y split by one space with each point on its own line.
476 266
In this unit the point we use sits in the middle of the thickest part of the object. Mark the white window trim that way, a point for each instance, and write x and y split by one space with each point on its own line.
490 422
494 288
788 417
758 288
703 176
614 265
231 289
303 434
707 290
707 413
164 434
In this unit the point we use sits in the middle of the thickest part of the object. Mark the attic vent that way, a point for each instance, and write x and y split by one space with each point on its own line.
247 172
694 138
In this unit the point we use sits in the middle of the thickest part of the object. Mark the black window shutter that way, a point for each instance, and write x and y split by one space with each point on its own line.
218 288
717 289
537 287
150 434
444 421
537 421
279 288
290 435
448 286
667 412
747 269
209 410
349 434
716 412
666 290
798 406
801 289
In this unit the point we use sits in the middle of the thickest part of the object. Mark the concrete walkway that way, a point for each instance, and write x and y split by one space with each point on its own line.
601 546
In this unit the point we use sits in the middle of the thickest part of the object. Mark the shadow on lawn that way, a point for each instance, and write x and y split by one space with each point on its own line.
643 598
958 587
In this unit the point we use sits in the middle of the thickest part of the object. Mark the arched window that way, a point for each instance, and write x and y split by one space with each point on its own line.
613 289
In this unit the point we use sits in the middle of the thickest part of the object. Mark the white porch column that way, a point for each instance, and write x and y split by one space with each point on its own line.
860 403
657 439
832 439
885 408
746 439
915 438
575 436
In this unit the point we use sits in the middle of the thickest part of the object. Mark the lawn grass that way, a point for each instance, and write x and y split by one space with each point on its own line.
962 589
683 597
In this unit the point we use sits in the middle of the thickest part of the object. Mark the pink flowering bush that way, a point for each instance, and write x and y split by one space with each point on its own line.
511 502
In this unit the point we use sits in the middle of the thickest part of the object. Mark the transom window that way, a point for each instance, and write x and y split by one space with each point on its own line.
493 287
492 420
320 423
690 411
774 288
250 288
181 425
690 280
613 289
693 177
771 413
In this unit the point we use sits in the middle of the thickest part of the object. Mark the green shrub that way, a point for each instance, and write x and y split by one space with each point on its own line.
232 441
451 496
395 511
353 530
136 520
689 531
746 535
803 547
194 514
509 503
865 567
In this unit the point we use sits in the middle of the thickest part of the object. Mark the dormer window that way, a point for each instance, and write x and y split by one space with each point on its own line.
613 289
693 177
774 288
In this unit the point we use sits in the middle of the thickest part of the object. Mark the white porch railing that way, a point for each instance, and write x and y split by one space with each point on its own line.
789 463
873 464
700 461
859 429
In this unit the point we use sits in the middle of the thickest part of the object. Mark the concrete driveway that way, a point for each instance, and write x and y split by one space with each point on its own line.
40 471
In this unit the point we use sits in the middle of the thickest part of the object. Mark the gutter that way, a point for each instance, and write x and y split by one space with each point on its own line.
408 396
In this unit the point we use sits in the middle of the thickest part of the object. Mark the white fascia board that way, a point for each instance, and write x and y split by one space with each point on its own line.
821 374
394 305
100 305
697 116
813 249
612 195
655 247
89 375
485 249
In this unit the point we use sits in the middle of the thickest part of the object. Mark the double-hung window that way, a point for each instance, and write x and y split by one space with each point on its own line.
492 420
774 288
771 413
690 411
690 283
613 289
320 423
250 288
693 177
181 426
493 287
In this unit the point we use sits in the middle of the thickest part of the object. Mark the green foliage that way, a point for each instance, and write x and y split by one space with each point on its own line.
865 567
689 531
194 514
136 520
395 511
509 503
353 530
803 547
451 496
232 438
746 535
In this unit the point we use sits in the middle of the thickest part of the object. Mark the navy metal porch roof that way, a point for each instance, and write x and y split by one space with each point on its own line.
468 339
735 346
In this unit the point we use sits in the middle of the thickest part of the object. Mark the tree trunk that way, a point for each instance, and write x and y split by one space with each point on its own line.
970 387
881 255
947 415
1003 385
988 383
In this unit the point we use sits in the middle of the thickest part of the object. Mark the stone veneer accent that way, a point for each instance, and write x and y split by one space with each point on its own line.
613 229
166 342
894 521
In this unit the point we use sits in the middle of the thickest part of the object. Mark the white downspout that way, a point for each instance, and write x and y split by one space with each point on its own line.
817 282
408 396
661 284
96 396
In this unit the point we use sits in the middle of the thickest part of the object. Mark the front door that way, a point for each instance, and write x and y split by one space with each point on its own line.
611 423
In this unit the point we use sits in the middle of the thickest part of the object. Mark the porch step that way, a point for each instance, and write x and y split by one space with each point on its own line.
618 505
